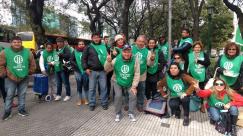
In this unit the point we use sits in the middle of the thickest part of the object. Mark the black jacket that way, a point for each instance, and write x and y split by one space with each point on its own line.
73 62
90 59
65 55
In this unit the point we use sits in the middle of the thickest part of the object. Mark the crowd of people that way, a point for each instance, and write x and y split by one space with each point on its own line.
135 73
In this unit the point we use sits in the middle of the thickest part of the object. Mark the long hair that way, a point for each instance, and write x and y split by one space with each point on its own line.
228 90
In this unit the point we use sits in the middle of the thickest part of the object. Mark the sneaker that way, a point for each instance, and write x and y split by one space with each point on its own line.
86 102
67 98
58 98
54 96
186 121
91 108
23 113
132 118
79 103
105 107
118 117
6 116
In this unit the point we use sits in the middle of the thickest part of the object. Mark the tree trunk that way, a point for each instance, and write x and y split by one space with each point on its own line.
196 9
125 16
35 11
196 27
150 17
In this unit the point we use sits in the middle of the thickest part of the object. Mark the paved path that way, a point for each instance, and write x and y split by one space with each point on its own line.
65 119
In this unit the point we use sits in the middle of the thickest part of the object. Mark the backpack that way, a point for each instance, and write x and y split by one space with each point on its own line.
223 126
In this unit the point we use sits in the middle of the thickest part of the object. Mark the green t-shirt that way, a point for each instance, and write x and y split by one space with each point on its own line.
165 49
142 55
48 57
188 40
176 86
124 71
154 68
17 62
78 57
214 102
197 71
232 65
101 51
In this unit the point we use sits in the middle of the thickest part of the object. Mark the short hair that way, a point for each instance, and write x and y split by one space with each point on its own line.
95 34
48 43
16 38
198 43
230 44
186 29
59 39
152 39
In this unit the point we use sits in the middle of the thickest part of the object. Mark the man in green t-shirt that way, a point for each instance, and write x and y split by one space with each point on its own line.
184 45
93 60
126 77
16 63
61 59
146 58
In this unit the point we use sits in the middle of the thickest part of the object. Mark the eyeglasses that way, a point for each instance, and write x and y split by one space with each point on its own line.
219 84
232 49
177 58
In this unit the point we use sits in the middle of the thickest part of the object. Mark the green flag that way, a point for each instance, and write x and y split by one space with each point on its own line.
238 38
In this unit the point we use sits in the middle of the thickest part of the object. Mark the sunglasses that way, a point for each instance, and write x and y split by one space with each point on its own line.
176 57
232 49
219 84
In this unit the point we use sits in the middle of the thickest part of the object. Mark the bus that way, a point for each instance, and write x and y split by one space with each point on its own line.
28 40
6 35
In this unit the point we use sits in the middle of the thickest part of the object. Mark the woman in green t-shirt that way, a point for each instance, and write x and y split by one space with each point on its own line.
180 87
220 97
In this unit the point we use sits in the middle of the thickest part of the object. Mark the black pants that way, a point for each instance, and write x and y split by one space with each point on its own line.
175 103
2 88
151 89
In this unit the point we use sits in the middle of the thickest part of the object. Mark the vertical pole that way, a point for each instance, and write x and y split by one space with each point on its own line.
209 34
169 26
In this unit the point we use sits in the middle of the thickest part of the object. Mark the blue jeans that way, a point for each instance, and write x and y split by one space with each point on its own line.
215 112
82 81
11 87
94 77
140 94
63 76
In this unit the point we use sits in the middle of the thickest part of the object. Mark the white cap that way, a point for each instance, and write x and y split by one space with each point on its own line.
117 37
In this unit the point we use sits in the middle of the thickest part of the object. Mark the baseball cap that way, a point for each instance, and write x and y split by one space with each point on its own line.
126 47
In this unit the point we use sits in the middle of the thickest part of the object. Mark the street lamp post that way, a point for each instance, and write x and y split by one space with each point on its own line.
210 12
101 21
